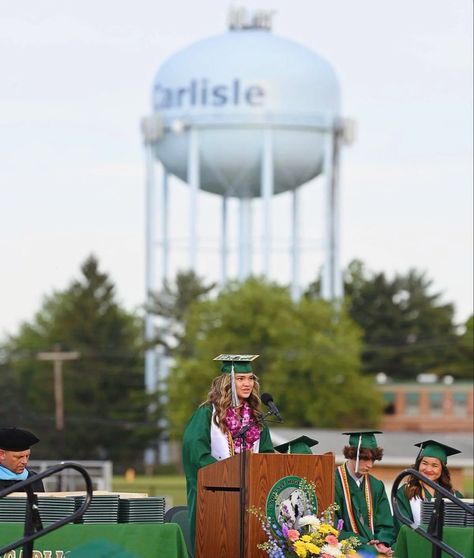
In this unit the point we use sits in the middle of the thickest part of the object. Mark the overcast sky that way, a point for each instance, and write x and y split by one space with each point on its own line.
77 78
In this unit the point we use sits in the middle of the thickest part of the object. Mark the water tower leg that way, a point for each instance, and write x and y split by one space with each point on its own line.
150 263
338 280
245 238
150 286
162 360
165 237
295 245
194 183
267 187
331 280
224 240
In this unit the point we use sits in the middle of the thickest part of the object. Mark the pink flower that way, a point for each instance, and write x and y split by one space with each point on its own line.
293 535
331 539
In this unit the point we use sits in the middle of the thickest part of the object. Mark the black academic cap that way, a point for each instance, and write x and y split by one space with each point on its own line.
432 448
16 439
302 444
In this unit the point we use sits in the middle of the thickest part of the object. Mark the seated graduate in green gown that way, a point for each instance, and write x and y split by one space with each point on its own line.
432 462
211 433
363 504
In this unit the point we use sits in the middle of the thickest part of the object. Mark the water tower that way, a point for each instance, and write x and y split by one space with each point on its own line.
243 115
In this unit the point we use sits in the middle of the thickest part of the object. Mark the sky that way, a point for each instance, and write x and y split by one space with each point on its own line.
77 79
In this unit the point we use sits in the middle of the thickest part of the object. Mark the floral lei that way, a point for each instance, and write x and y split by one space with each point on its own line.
235 421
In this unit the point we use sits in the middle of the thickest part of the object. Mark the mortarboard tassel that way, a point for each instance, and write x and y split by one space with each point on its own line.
235 399
358 453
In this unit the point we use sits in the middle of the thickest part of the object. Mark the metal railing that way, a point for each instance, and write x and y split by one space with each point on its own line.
33 525
435 528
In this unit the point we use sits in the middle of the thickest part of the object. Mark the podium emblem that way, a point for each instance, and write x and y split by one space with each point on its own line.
289 499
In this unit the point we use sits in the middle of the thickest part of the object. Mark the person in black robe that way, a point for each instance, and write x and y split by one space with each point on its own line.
15 444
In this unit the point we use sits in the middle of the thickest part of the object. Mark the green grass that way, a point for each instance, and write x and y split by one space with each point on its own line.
173 487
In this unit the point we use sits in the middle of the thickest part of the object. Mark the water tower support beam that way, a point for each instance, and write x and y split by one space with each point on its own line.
267 185
224 239
338 280
150 263
194 184
150 285
245 238
165 237
295 245
331 281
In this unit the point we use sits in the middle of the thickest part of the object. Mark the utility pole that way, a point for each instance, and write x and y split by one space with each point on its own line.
57 357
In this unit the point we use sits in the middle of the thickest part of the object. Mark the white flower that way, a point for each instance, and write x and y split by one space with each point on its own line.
332 550
310 520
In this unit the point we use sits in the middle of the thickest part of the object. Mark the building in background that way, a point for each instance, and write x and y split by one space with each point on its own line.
428 407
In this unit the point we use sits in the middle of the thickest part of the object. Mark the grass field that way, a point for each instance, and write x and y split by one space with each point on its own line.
173 487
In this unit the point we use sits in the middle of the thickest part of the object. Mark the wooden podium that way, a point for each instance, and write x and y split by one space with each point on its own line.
218 498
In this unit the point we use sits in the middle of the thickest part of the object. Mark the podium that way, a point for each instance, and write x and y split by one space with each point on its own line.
218 498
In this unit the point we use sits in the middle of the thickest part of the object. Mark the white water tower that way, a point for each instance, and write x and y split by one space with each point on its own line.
243 115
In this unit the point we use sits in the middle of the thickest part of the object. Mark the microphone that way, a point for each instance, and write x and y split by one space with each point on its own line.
267 399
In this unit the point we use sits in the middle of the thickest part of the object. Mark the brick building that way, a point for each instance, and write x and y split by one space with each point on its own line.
428 407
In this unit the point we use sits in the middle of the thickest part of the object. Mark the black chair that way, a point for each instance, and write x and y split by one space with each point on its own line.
179 515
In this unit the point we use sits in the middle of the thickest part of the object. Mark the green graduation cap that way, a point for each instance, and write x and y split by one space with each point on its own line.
302 444
235 364
432 448
365 439
242 364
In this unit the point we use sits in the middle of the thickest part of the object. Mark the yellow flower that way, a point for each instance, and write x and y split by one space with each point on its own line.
313 548
306 538
300 548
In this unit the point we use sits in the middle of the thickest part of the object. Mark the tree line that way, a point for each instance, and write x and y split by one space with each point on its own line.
317 358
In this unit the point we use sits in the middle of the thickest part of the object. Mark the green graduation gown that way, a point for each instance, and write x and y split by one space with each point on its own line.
405 508
383 520
197 454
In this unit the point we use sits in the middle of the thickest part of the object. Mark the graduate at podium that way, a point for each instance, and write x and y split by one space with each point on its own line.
212 433
361 497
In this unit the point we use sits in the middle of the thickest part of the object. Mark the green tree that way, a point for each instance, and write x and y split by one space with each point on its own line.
105 405
407 329
309 356
464 365
172 304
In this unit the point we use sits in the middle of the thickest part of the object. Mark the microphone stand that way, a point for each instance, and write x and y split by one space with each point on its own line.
242 434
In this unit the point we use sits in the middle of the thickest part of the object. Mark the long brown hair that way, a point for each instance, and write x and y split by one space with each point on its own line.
220 395
413 486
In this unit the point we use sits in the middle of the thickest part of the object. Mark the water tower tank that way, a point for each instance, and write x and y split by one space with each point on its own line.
231 87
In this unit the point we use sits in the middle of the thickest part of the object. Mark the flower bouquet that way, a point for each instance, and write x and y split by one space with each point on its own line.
298 532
